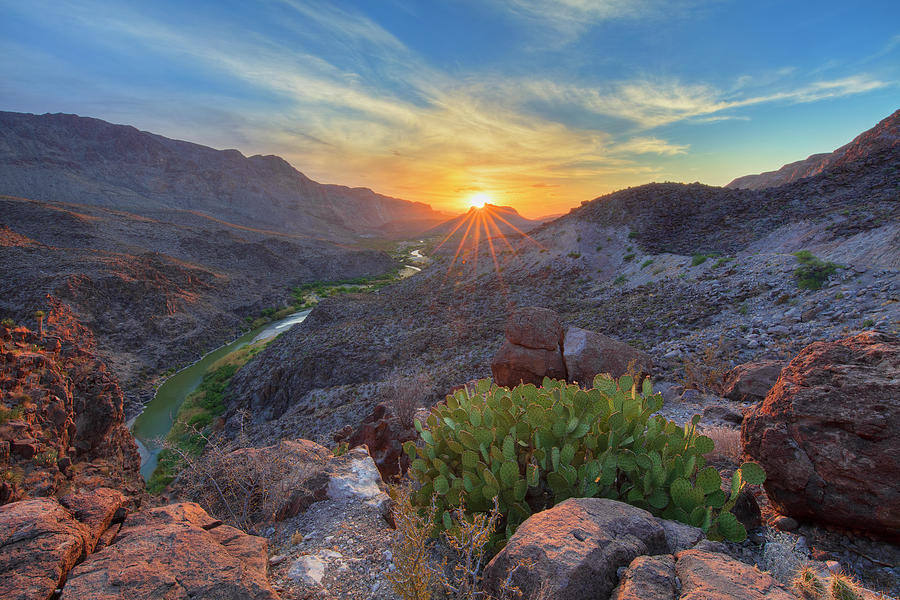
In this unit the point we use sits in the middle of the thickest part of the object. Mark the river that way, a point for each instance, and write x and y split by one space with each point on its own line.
158 415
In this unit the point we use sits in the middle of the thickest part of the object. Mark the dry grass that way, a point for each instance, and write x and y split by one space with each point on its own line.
727 441
404 395
707 371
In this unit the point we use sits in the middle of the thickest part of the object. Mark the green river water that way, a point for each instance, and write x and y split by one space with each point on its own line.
158 416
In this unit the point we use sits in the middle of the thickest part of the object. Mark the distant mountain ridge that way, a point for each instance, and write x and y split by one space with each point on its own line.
506 219
886 134
68 158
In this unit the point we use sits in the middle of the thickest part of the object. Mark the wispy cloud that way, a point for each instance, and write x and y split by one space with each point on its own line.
346 101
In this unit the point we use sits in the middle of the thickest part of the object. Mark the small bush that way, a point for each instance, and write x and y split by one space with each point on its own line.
47 458
727 442
8 323
698 259
558 441
10 414
647 263
632 235
812 272
574 255
620 280
868 323
723 261
628 257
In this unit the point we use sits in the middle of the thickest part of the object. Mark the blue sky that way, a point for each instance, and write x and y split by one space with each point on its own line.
542 104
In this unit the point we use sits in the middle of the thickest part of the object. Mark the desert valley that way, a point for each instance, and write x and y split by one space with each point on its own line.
222 379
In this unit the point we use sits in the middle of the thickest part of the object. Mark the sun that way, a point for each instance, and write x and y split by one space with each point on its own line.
479 199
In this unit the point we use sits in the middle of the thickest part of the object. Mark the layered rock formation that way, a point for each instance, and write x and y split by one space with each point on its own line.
826 434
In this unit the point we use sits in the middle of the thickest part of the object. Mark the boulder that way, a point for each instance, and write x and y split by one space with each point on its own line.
826 434
750 382
96 509
534 327
648 578
517 364
40 541
680 536
175 551
712 576
574 550
588 353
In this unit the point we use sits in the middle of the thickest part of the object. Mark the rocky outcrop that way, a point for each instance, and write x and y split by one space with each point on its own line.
750 382
588 353
40 542
96 510
884 135
826 434
176 551
383 434
536 347
573 550
64 421
531 350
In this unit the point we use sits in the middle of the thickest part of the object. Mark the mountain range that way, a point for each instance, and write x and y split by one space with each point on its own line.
67 158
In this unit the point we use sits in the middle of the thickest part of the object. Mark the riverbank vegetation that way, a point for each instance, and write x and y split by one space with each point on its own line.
198 414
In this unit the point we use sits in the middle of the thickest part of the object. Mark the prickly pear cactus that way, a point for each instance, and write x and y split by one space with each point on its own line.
532 447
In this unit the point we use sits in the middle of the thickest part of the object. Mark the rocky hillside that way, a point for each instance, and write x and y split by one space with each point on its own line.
688 273
67 158
158 293
883 136
62 423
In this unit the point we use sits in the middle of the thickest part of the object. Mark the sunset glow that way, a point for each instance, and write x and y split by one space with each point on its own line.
354 93
479 199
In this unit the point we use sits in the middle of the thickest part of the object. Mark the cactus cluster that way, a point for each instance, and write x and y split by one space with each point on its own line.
532 447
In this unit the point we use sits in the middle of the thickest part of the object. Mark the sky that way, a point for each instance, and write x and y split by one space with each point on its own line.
541 104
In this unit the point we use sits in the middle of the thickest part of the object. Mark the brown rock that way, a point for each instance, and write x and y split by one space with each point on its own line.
680 536
26 448
39 543
96 510
711 576
750 382
384 436
575 549
534 327
588 353
826 434
648 578
746 509
517 364
167 552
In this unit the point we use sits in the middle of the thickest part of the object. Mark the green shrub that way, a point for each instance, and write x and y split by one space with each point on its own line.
46 458
647 263
8 323
812 272
868 323
628 257
632 235
723 261
574 255
533 447
620 280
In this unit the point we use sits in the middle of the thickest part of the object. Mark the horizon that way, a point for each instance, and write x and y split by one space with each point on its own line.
424 104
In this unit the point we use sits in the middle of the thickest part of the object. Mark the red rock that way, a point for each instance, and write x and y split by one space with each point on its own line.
167 552
384 437
648 578
39 544
96 510
517 364
534 327
750 382
588 353
26 448
826 435
575 549
711 576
